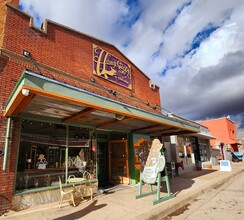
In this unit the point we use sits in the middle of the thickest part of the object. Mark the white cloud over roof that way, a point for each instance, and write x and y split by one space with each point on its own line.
193 50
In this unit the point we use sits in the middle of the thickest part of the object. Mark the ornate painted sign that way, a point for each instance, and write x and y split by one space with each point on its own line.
111 68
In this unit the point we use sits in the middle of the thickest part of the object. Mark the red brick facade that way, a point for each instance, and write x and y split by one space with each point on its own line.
65 55
7 176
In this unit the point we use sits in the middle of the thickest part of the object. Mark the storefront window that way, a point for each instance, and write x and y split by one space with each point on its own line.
42 154
185 150
82 158
204 150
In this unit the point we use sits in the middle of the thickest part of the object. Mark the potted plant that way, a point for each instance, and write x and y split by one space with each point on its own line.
198 166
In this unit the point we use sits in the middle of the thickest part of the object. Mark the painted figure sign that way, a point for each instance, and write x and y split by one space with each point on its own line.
109 67
155 163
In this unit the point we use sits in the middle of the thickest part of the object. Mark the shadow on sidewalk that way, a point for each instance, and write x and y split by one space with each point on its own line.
184 181
76 215
195 174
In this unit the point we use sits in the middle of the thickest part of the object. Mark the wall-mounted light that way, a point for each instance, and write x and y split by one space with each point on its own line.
92 80
119 117
25 92
26 54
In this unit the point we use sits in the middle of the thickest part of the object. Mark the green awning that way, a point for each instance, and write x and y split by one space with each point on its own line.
42 97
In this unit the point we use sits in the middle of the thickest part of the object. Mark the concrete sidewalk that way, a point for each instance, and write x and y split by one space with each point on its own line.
120 203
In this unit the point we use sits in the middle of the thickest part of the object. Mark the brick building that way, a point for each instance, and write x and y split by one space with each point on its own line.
70 102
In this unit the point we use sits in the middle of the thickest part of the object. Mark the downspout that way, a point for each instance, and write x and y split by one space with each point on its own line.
67 154
6 144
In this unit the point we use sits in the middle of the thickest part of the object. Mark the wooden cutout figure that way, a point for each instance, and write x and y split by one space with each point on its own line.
155 163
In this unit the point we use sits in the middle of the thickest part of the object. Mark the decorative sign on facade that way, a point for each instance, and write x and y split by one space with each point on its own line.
111 68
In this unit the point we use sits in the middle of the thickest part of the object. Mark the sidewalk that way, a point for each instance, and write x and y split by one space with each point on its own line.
120 203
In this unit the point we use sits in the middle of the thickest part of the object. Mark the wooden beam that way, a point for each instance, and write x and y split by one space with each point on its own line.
14 102
24 103
145 128
162 130
84 112
171 132
114 121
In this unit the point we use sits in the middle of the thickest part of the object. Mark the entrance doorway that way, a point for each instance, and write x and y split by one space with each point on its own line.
118 162
102 164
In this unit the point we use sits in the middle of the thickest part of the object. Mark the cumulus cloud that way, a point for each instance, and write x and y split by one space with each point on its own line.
193 50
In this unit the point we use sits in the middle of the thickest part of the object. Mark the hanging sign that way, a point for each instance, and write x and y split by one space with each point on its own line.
111 68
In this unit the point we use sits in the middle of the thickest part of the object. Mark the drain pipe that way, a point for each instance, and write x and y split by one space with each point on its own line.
67 154
6 144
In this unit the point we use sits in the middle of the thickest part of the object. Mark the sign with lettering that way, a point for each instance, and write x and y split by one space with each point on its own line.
109 67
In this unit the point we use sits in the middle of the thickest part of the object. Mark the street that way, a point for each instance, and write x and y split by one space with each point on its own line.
224 202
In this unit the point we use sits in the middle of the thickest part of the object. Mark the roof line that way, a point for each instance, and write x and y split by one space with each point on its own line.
44 30
212 119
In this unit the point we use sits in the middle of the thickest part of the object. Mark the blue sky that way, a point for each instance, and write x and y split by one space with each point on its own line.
193 50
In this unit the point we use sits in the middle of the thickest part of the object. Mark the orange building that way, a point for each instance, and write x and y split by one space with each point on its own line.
223 129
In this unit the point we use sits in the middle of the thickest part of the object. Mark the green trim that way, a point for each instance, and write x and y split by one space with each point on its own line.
6 144
66 153
156 191
20 81
41 189
131 159
60 89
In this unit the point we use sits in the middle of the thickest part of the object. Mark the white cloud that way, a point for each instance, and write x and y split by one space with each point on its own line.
93 17
156 34
223 41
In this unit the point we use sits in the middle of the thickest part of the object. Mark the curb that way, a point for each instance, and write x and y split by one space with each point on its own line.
176 203
151 212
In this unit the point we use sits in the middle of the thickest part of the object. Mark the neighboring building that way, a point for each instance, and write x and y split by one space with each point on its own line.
192 149
225 132
68 103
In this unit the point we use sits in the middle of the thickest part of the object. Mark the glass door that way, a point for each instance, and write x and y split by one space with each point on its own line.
118 162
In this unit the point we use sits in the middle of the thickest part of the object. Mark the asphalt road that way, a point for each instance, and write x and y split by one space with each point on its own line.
222 203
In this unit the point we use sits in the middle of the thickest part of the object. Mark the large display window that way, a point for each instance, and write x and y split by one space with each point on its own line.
48 151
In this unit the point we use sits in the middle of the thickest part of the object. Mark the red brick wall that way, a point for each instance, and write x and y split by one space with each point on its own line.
71 52
7 176
3 13
10 70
